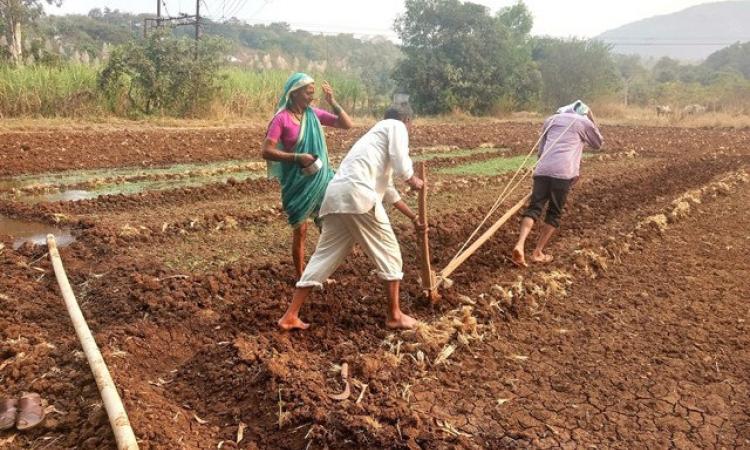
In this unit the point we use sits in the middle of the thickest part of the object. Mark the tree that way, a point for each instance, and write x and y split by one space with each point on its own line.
518 19
163 74
630 69
458 56
575 69
666 70
16 13
735 58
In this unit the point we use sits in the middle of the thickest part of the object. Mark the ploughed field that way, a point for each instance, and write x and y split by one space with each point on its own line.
636 336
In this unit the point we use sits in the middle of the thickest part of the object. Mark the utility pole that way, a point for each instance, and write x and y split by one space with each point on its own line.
175 21
197 25
158 19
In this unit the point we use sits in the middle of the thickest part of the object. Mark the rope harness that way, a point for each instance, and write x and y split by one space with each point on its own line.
513 184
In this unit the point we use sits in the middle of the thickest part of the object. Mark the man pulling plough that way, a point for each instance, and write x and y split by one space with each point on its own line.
557 171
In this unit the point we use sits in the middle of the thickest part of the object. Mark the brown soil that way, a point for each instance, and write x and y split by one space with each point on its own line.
634 337
48 151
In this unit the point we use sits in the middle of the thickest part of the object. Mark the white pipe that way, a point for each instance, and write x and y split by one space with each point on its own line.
118 418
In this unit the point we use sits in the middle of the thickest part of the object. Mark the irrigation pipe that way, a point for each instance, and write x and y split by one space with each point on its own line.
118 418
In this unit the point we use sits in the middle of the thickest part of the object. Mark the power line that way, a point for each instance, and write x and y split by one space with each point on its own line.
257 11
671 44
685 40
164 2
227 7
208 11
326 29
241 4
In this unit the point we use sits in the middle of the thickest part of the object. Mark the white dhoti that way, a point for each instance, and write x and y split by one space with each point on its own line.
371 230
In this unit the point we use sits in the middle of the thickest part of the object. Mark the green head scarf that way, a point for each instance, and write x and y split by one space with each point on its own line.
302 195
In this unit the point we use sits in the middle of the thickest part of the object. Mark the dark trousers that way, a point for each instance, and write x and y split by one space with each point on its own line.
551 192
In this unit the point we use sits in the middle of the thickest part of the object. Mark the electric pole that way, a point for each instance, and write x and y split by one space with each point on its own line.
197 25
176 21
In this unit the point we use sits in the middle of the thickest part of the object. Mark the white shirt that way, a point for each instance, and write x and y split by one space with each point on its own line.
364 179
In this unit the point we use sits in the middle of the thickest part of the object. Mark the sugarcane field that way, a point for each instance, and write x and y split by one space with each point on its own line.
423 224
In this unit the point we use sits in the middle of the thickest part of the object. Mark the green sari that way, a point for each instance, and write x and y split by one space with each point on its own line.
302 195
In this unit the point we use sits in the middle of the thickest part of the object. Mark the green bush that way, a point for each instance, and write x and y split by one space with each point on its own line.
163 75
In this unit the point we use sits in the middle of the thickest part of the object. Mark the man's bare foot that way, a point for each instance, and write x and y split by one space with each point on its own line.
542 258
292 323
518 258
401 322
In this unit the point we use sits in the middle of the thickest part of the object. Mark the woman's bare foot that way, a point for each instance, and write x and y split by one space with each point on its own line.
292 323
518 257
401 322
542 258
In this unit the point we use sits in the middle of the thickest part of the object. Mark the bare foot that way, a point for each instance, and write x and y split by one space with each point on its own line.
292 323
542 258
518 258
401 322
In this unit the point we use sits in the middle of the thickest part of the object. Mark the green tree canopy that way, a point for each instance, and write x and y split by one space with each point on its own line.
458 56
734 58
575 69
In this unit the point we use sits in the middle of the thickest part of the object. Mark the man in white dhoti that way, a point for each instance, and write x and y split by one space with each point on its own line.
353 213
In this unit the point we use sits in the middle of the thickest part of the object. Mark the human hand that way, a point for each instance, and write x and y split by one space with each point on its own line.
419 226
304 159
415 182
328 93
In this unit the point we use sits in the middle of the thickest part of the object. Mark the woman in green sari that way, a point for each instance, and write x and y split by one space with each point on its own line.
295 147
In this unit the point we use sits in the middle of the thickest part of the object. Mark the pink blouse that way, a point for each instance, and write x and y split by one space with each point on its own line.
283 128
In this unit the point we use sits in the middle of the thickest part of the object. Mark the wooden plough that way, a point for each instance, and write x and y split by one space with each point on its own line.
431 280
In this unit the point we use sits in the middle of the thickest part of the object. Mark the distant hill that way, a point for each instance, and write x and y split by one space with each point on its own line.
691 34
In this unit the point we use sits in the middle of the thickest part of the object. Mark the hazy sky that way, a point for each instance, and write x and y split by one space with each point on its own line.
560 18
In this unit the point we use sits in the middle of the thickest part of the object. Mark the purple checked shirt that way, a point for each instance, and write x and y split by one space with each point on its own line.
563 159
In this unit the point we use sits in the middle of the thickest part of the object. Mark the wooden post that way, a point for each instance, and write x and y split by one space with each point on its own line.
429 284
445 273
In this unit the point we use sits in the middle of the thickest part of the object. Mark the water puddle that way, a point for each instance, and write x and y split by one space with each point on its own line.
87 184
64 196
22 231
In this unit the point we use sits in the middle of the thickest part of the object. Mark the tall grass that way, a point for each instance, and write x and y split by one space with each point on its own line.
67 91
250 92
72 91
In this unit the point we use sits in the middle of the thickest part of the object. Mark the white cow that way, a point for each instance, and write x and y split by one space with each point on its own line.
663 110
695 109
